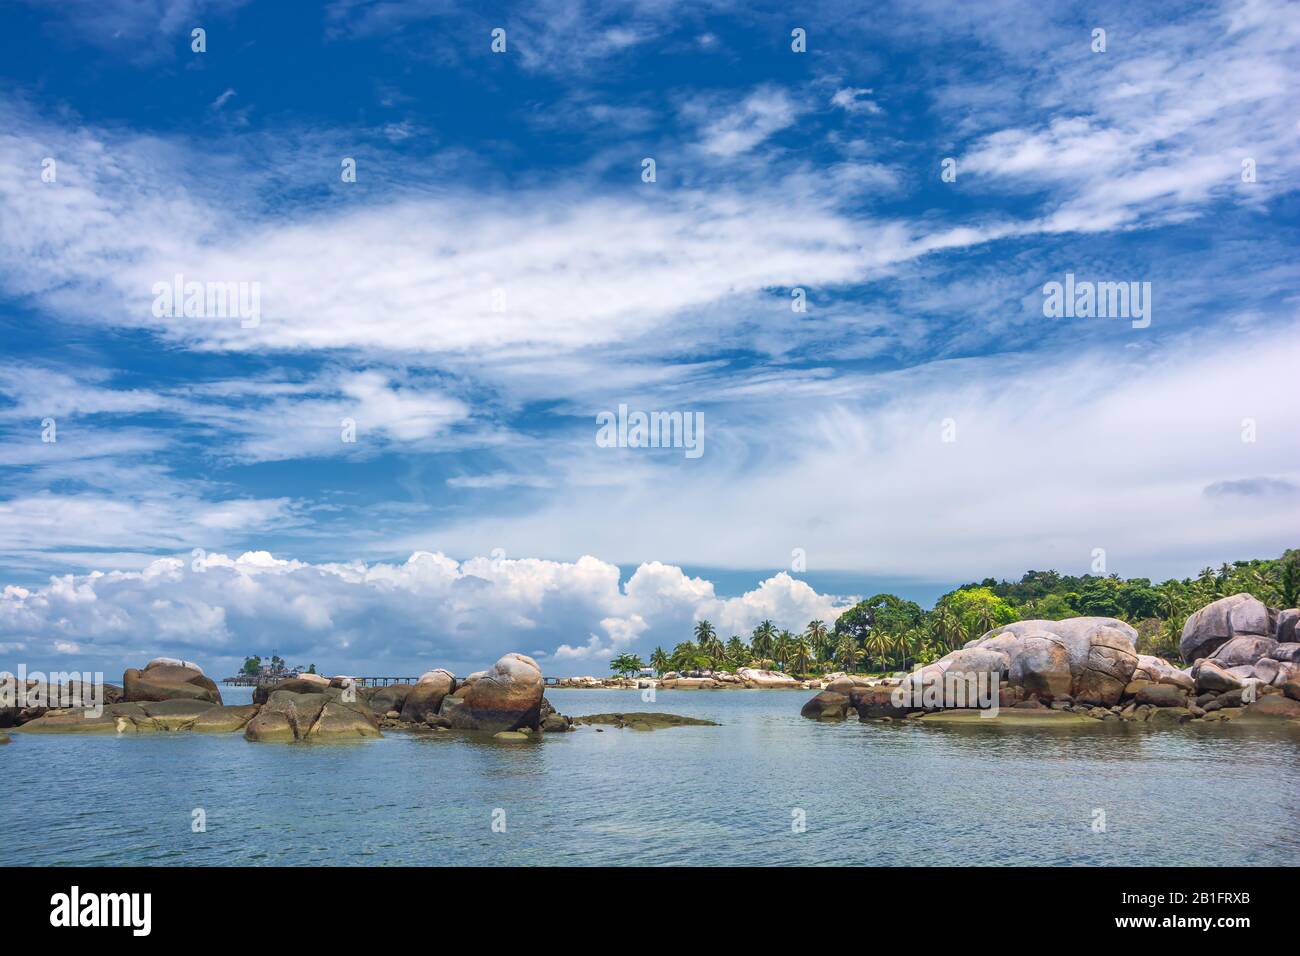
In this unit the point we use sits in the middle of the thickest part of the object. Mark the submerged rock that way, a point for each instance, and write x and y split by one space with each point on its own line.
644 720
224 720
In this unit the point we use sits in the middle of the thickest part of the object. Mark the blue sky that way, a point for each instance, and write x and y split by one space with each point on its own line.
475 513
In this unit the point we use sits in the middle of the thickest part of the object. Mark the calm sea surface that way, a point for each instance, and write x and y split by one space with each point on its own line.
869 794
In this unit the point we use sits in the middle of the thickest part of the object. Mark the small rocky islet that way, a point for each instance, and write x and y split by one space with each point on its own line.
1244 665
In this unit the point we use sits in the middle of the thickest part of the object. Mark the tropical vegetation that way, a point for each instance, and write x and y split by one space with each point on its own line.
887 633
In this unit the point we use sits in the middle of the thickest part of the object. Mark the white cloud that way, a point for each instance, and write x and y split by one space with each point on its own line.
1054 456
855 100
385 618
727 131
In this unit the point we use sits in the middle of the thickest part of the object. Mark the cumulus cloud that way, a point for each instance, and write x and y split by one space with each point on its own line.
382 618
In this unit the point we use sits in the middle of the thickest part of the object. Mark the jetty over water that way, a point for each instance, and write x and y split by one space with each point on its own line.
257 680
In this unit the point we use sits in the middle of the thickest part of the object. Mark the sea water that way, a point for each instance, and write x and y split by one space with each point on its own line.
766 787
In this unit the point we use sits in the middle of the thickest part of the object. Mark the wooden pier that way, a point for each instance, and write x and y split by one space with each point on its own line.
257 680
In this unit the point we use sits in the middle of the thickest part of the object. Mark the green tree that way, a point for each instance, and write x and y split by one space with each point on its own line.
819 639
252 665
738 654
801 655
764 639
884 611
704 633
626 664
846 653
660 661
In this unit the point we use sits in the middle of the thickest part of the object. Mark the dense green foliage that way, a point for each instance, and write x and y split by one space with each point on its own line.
886 632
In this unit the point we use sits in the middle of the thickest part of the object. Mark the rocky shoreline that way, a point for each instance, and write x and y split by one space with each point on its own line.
744 678
167 695
1243 663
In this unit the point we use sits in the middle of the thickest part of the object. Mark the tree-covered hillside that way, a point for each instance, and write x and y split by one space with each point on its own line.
886 632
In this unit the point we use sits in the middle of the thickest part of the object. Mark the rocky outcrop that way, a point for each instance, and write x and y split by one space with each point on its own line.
145 717
1219 622
288 716
1242 651
1042 667
507 697
1286 652
774 680
165 678
389 697
425 698
828 705
1213 677
1089 666
1100 655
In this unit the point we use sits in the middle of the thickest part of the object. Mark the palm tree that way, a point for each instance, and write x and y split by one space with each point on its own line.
847 653
685 656
801 655
947 626
874 645
660 661
980 621
704 633
714 650
737 651
763 639
626 664
818 637
783 648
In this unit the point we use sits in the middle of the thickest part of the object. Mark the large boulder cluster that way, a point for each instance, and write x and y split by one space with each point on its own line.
1242 657
172 695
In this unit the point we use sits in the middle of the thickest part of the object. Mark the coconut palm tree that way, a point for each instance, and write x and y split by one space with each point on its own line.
737 652
783 648
846 652
715 650
704 633
660 661
878 644
946 626
626 664
801 655
980 621
763 639
818 637
685 656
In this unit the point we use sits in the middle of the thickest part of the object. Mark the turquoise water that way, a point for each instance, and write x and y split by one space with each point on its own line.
870 794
